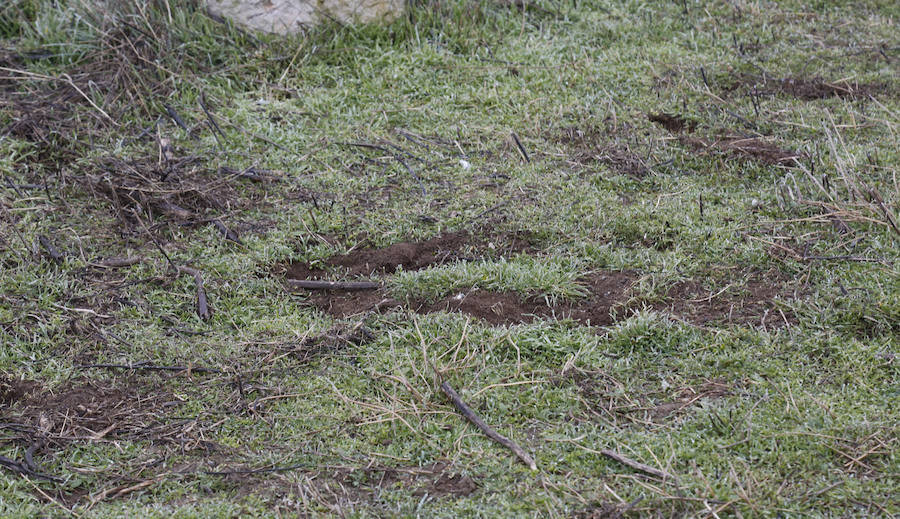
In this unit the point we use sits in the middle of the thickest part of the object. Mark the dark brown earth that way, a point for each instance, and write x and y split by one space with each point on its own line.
607 290
409 255
752 303
610 296
85 409
673 123
738 147
809 89
12 390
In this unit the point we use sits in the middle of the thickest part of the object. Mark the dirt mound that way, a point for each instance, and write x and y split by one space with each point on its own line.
607 290
493 307
413 255
408 255
609 300
610 295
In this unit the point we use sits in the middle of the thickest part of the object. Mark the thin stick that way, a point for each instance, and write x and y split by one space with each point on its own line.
20 468
309 284
636 465
202 303
485 428
521 148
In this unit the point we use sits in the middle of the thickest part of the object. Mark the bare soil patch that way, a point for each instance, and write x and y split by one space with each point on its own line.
672 122
809 89
92 410
750 302
496 308
607 290
412 255
610 298
745 148
406 255
12 390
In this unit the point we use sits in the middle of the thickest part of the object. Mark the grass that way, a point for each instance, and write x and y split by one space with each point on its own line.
779 403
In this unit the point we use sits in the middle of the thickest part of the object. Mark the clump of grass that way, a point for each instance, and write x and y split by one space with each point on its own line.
552 278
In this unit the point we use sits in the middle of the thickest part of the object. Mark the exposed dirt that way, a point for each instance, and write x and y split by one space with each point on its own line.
752 148
344 304
493 307
809 88
610 298
673 123
456 485
12 390
412 255
607 290
752 303
408 255
91 410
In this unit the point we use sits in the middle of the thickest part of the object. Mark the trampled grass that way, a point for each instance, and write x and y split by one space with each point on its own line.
744 258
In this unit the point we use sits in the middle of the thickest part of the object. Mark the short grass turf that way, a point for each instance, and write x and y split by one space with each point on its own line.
734 163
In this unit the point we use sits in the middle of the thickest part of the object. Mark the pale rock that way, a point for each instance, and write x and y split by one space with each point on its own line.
292 16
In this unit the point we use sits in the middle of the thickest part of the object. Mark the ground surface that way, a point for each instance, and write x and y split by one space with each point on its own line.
663 230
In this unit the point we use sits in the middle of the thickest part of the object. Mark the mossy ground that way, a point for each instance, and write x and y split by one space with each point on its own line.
791 413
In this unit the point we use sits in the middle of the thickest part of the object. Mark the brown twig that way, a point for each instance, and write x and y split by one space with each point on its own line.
485 428
21 468
518 143
309 284
202 304
114 263
636 465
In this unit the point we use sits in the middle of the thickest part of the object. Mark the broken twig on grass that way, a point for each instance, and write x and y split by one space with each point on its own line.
118 262
485 428
229 234
636 465
20 468
202 304
518 143
309 284
624 460
52 251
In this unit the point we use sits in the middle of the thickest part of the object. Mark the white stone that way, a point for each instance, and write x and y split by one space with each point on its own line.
291 16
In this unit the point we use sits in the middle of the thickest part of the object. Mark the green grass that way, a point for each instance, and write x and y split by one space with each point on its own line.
804 423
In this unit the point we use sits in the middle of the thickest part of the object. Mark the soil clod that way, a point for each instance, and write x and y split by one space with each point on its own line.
673 123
